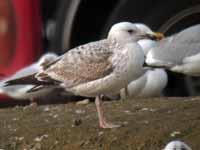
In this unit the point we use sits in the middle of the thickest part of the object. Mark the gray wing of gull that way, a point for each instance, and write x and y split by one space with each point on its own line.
174 49
35 67
82 64
21 73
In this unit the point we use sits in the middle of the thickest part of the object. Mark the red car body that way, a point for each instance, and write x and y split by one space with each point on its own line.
20 35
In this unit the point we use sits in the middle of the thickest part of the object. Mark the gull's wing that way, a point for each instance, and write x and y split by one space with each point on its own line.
43 62
19 74
79 65
32 69
82 64
25 71
26 75
173 50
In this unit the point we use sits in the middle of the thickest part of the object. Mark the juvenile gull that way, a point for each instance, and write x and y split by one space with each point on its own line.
20 91
97 68
177 145
178 53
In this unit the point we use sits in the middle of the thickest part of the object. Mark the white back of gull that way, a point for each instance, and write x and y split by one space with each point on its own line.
20 91
177 145
178 53
156 82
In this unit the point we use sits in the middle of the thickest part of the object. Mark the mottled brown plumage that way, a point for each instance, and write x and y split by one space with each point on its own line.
47 64
82 64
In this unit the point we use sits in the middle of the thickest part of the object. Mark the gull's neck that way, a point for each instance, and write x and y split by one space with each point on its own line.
112 40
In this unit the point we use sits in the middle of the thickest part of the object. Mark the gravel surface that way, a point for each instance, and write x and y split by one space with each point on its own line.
148 124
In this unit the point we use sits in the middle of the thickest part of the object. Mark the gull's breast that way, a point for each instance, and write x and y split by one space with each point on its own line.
127 67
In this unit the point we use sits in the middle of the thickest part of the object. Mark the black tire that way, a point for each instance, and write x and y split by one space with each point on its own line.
81 24
64 21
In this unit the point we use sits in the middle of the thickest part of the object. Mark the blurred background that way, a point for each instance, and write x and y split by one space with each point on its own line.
29 28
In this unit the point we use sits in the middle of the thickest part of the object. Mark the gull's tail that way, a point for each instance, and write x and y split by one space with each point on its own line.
32 80
26 80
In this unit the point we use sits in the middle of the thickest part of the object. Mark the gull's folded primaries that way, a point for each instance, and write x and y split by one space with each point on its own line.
177 145
20 91
99 68
152 82
179 52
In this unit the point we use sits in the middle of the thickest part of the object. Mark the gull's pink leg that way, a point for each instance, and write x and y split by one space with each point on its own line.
102 121
126 92
33 103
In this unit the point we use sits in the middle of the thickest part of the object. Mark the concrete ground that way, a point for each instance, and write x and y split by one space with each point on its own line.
148 124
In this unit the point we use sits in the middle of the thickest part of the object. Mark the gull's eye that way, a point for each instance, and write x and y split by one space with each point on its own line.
131 31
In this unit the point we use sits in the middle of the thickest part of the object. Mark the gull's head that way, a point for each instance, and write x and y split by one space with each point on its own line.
47 58
146 29
143 27
129 32
177 145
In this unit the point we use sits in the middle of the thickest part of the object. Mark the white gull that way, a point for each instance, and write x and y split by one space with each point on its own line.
179 52
19 92
153 81
177 145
